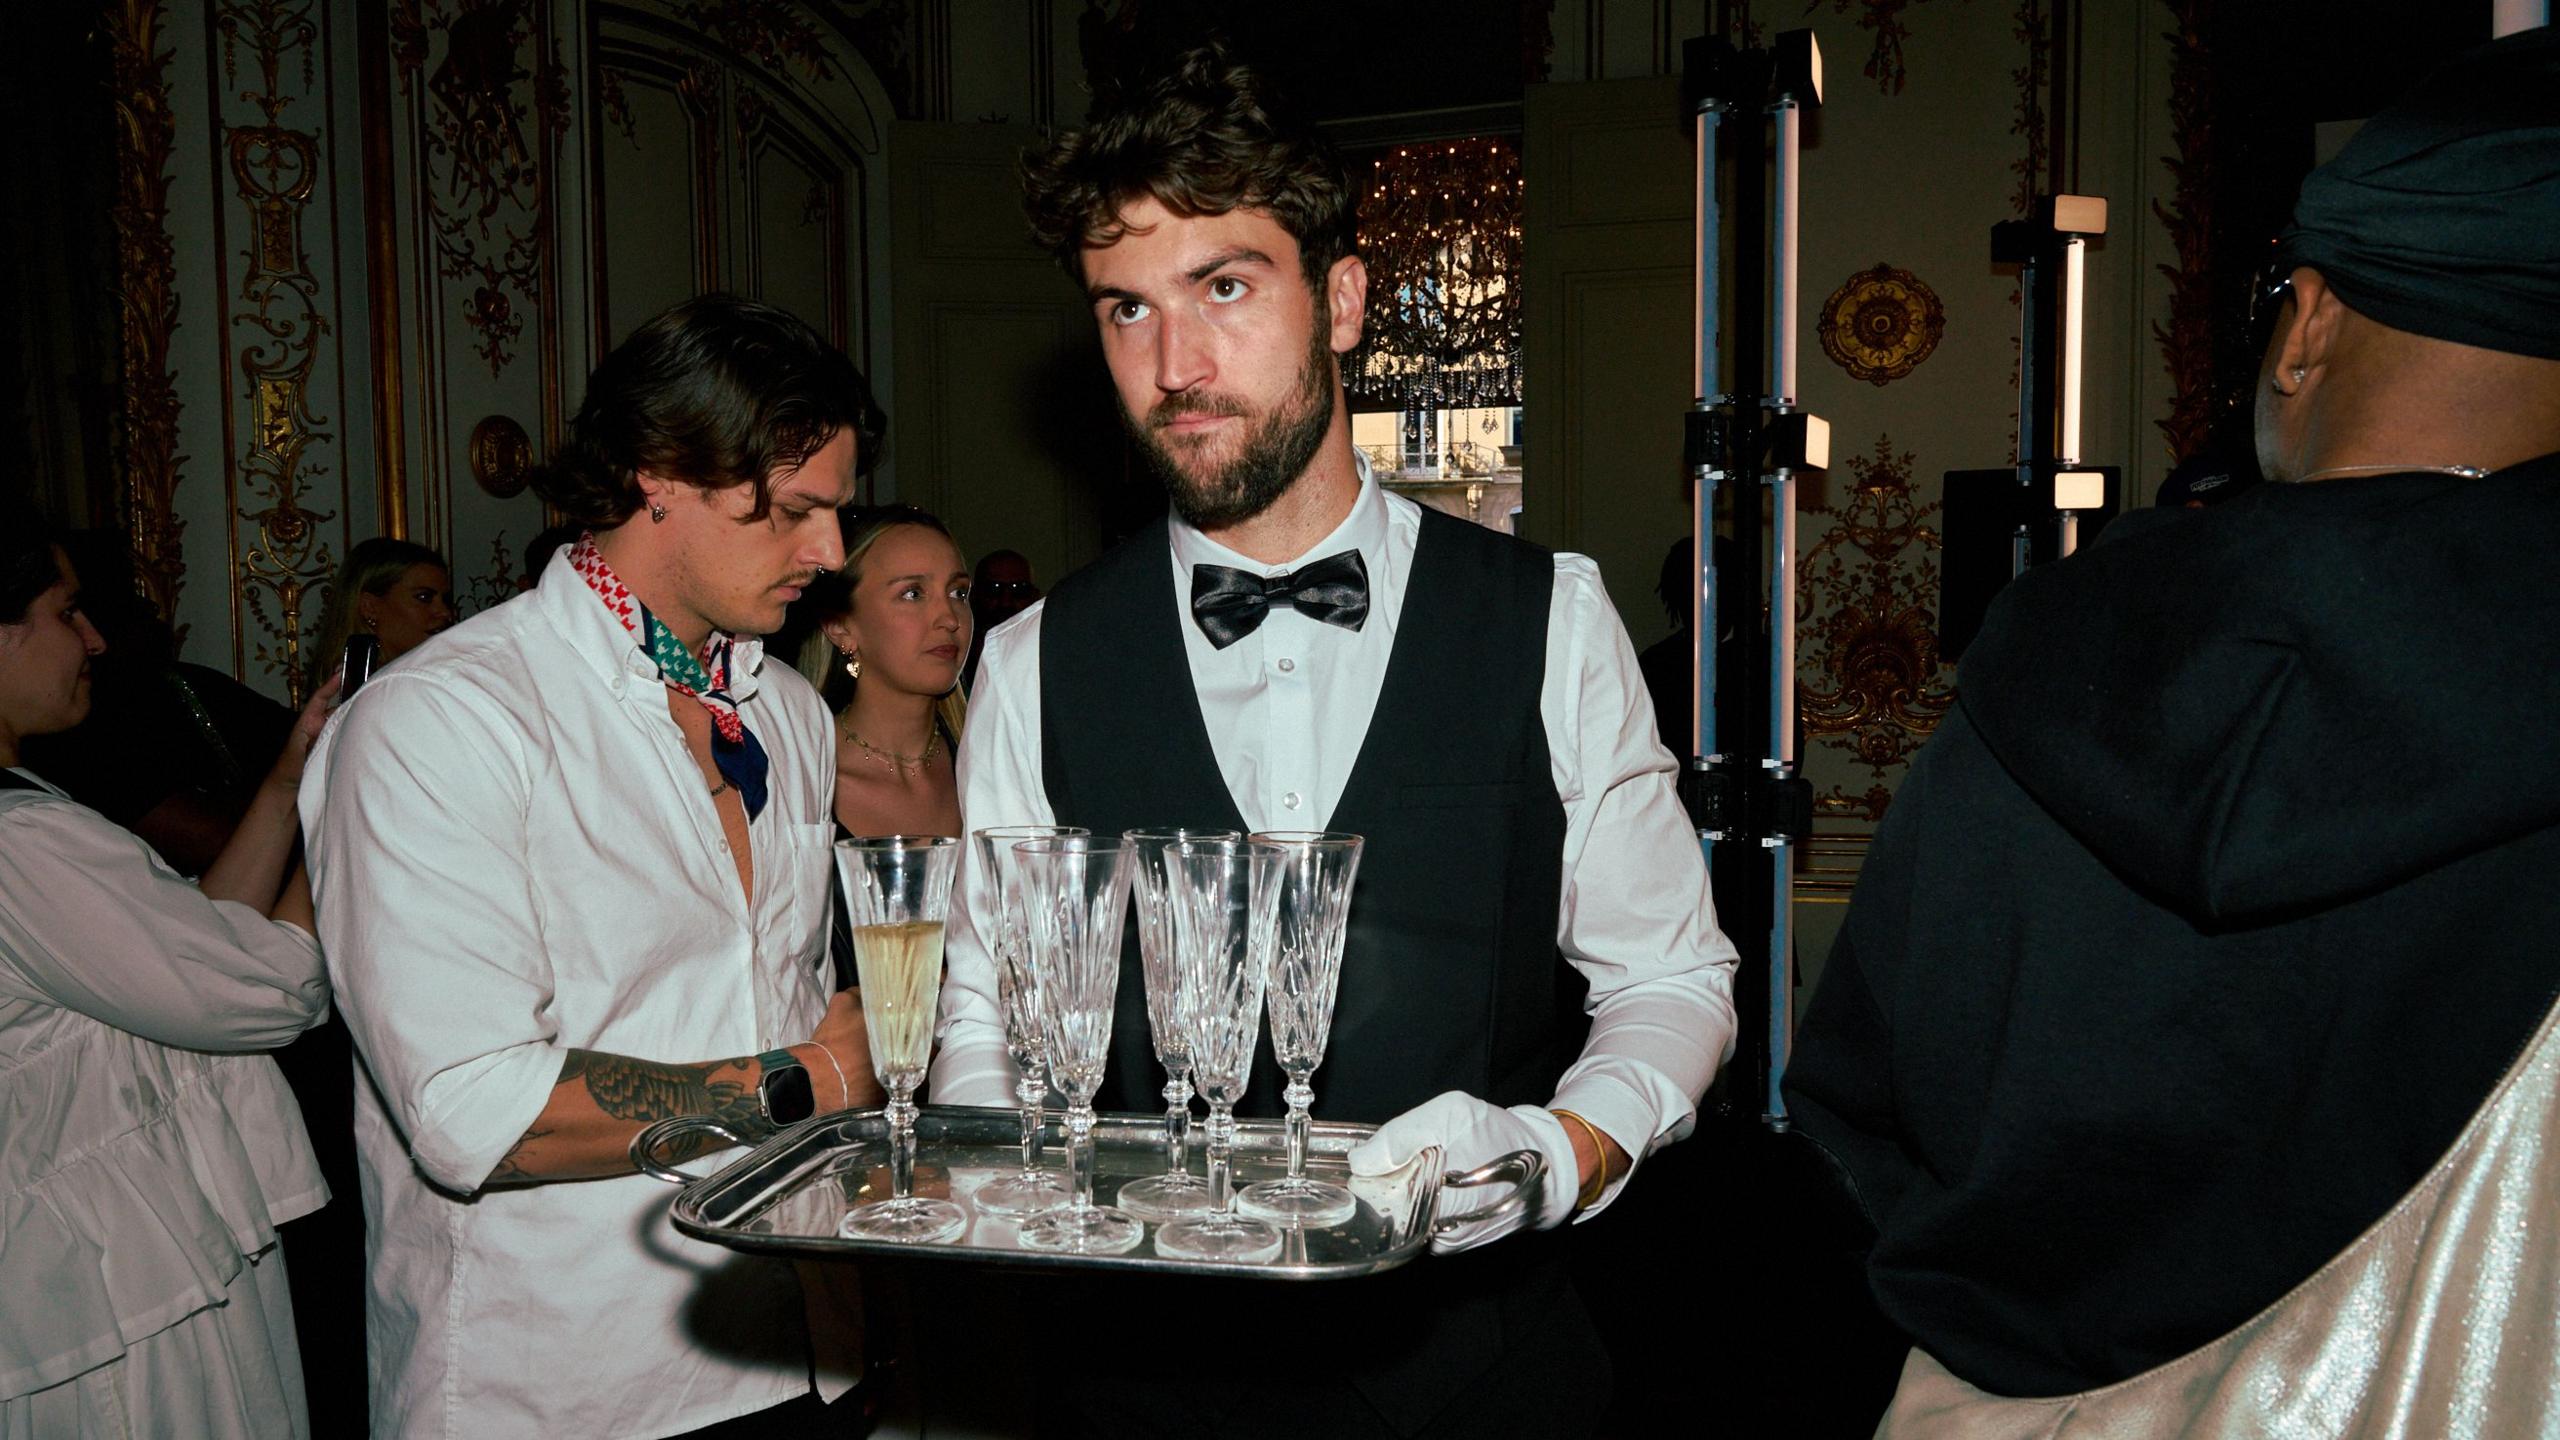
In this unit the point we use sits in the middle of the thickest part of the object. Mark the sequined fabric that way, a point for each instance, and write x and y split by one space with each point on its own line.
2441 1322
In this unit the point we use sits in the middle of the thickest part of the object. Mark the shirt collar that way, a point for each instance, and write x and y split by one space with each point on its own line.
606 644
1364 530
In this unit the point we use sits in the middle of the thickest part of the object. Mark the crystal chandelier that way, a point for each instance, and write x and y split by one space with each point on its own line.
1440 233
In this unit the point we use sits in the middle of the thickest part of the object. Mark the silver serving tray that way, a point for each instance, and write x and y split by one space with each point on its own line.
790 1194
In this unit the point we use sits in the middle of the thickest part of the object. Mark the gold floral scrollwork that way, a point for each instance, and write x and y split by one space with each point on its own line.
501 456
1881 323
274 169
146 268
1867 592
484 171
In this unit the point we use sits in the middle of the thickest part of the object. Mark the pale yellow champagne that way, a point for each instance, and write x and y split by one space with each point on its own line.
901 971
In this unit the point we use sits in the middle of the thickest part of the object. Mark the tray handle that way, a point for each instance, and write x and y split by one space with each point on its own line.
646 1145
1524 1168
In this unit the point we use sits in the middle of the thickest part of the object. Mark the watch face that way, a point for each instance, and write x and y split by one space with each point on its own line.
788 1098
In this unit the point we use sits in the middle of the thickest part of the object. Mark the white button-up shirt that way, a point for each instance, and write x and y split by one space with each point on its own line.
1287 709
514 854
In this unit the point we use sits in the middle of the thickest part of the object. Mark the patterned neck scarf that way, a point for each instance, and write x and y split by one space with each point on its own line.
735 750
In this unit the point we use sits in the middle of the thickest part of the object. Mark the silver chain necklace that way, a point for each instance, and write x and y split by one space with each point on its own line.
2467 472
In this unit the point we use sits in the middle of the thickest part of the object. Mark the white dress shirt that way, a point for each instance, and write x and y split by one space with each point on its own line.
1287 709
147 1151
514 854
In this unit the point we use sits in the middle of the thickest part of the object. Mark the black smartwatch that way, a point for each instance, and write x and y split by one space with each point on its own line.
784 1089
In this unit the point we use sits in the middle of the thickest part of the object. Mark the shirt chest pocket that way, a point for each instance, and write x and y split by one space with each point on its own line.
803 880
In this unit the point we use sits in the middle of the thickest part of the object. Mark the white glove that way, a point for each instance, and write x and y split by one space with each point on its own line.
1470 1132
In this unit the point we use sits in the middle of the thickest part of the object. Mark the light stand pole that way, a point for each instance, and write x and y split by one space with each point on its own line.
1744 111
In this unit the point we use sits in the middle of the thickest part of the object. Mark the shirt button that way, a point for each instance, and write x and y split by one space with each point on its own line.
1290 799
1287 666
724 845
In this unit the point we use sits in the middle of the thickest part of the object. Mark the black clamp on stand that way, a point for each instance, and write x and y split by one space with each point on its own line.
1745 110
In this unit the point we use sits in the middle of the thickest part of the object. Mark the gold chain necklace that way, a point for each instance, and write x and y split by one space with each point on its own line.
891 758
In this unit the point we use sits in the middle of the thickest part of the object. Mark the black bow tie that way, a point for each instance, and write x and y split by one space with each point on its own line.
1228 604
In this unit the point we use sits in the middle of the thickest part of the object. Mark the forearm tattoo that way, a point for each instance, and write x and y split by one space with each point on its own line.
646 1091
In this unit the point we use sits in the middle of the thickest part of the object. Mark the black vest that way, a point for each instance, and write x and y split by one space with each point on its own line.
1450 977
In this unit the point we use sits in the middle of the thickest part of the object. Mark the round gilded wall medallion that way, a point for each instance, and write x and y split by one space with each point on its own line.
1881 323
501 456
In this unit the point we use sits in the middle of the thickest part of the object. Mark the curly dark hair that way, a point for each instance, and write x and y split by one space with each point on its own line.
716 392
1203 134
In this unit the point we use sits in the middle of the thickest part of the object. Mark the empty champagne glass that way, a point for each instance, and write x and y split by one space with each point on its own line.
1177 1192
1030 1190
1222 897
898 894
1077 898
1316 872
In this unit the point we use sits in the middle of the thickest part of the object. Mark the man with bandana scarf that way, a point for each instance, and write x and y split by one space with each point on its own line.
2223 903
572 868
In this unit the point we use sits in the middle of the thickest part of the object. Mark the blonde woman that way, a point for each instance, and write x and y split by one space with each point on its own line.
891 631
398 592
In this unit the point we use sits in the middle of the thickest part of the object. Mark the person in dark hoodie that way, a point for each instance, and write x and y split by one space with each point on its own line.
2224 898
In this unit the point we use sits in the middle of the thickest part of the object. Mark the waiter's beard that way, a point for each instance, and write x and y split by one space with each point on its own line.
1271 459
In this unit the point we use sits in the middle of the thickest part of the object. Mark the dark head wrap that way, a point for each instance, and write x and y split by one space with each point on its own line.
2442 216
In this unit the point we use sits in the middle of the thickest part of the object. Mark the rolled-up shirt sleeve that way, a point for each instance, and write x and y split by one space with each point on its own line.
999 777
1638 919
414 806
92 921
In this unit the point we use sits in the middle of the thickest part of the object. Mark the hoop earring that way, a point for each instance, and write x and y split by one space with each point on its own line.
852 665
657 513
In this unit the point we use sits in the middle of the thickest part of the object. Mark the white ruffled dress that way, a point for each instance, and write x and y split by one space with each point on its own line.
148 1148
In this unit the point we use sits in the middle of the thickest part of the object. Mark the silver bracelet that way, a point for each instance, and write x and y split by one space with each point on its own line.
844 1088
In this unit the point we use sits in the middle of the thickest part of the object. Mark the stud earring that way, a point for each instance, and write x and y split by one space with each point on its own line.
657 513
853 665
370 623
2297 374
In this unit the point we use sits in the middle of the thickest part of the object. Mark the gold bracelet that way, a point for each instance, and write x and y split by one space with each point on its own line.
1599 1184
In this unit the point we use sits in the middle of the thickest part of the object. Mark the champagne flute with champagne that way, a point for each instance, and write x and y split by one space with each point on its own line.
898 893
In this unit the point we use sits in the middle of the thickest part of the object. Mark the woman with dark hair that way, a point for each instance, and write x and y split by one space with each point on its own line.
149 1150
891 630
398 592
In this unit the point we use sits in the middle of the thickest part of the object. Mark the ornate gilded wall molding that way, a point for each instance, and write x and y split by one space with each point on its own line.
486 121
1872 684
2186 342
772 33
1882 19
501 456
2033 77
274 169
1881 323
146 266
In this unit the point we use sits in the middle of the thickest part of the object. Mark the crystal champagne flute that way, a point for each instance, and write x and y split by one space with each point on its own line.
1177 1192
1030 1190
898 894
1222 899
1078 899
1316 874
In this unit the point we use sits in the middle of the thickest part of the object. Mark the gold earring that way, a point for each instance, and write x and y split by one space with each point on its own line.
853 665
657 513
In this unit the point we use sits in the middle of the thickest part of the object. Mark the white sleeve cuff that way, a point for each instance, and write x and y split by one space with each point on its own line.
973 1073
1620 1111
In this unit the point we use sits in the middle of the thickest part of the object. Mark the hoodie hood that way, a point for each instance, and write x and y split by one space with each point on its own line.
2300 697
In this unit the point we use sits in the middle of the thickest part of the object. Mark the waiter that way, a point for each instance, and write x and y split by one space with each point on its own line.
1533 960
